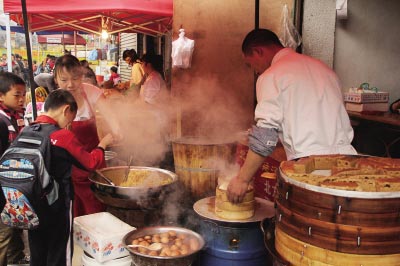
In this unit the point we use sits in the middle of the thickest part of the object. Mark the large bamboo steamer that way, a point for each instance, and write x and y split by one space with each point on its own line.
339 237
300 253
197 162
344 224
366 210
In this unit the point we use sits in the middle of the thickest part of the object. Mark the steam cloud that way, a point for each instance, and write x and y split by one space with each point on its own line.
209 112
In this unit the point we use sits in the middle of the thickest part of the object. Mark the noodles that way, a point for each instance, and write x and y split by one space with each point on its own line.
145 178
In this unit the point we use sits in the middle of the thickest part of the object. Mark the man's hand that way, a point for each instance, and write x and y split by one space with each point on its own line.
237 189
238 186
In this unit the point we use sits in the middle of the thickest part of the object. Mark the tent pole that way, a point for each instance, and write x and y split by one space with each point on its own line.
8 40
75 50
63 43
29 55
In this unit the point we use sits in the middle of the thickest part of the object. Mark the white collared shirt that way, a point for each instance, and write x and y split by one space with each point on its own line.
301 97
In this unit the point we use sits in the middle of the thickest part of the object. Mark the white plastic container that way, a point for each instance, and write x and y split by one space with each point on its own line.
100 235
369 97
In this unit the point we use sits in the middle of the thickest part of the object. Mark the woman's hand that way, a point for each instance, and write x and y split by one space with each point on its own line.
106 141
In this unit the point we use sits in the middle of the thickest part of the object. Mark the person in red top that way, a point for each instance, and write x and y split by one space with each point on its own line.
49 243
68 75
114 75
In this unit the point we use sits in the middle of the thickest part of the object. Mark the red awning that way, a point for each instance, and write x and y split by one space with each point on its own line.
151 17
60 39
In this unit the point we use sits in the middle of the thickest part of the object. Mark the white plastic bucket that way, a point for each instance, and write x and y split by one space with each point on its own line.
89 261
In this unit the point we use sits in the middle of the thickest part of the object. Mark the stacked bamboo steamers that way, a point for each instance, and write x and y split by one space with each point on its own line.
337 210
230 211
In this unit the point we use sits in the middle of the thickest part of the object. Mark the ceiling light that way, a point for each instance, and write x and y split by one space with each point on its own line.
104 34
104 28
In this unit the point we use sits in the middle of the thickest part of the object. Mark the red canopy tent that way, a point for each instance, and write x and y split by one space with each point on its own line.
151 17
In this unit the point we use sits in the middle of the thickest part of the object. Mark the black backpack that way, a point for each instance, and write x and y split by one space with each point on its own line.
26 184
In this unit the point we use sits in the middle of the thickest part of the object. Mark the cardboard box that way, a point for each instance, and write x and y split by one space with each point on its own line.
100 235
367 107
378 97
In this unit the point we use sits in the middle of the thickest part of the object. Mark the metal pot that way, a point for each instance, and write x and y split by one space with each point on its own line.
135 197
268 228
232 242
139 259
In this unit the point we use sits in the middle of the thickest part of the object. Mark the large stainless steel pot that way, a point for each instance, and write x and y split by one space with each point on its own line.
134 197
139 259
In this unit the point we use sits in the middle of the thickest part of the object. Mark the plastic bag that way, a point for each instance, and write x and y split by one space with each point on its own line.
182 50
289 36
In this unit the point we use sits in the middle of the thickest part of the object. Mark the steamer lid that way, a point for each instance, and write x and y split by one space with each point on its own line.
338 192
263 209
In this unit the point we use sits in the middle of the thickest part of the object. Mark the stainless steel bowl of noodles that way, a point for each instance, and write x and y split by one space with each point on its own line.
142 188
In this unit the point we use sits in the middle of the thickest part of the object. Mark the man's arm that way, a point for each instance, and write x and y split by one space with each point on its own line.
262 142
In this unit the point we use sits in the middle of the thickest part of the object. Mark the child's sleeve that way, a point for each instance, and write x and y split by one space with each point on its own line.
3 136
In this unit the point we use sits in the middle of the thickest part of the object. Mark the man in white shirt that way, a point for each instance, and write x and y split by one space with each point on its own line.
299 102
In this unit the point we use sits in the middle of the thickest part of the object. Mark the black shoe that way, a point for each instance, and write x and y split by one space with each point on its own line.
22 262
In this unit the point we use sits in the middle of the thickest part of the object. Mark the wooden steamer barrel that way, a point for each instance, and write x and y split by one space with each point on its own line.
301 253
324 226
196 164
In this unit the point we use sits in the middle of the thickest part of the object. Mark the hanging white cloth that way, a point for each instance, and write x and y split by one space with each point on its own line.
182 50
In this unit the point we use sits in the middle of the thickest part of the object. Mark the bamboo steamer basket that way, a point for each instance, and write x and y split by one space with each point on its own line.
360 226
299 253
196 164
368 209
230 211
221 196
340 237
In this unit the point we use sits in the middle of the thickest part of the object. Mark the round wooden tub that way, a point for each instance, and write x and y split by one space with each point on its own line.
197 161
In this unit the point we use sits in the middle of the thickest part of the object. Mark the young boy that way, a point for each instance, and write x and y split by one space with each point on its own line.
49 243
12 101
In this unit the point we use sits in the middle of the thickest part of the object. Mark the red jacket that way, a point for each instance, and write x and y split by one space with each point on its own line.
67 151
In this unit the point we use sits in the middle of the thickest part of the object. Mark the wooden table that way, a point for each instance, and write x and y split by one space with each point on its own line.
376 134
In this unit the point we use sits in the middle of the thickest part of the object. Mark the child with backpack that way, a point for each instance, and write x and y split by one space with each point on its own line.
51 243
12 101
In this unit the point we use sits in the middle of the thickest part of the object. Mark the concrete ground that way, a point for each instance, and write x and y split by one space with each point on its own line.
76 258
